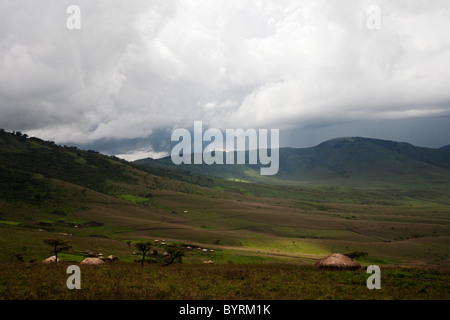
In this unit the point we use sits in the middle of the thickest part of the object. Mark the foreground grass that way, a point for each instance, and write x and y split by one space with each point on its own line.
130 281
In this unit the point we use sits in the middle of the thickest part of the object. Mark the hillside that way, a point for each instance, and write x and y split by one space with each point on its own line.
446 148
343 161
104 204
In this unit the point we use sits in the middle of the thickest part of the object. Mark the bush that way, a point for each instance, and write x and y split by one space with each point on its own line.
356 254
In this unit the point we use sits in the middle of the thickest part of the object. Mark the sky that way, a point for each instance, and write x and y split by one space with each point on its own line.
120 76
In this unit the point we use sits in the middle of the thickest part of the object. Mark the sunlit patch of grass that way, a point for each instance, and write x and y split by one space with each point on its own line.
237 180
10 223
133 198
68 257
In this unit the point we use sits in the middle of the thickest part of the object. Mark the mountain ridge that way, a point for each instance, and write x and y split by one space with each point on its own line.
346 160
351 161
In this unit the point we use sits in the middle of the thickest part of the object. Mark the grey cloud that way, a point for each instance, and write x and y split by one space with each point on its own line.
137 70
425 132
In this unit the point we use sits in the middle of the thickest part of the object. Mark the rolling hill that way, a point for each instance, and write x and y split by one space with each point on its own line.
103 204
343 161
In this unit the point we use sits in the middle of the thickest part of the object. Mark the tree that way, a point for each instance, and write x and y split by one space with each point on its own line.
356 254
19 257
175 254
144 247
58 245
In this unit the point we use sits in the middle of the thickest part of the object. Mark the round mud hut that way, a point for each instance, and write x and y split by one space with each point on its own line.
337 261
112 258
50 260
92 261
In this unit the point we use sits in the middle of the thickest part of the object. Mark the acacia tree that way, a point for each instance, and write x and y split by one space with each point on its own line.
144 247
57 245
175 254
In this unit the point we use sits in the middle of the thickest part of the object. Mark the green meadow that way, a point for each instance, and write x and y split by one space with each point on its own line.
404 230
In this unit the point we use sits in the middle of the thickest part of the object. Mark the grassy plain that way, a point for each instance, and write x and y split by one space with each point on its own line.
393 226
128 281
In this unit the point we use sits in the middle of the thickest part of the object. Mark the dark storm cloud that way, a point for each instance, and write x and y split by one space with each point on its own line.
425 132
139 69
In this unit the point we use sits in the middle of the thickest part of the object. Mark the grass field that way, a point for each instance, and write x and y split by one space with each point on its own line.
130 281
263 239
410 229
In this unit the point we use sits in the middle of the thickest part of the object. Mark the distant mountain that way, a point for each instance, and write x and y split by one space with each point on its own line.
446 148
349 161
28 164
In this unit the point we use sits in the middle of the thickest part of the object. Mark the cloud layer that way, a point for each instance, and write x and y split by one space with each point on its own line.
139 69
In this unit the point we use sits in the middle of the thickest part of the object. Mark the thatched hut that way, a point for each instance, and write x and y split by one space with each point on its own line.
92 261
112 258
90 253
50 260
337 261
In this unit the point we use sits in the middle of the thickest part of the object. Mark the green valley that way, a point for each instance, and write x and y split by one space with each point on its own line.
106 205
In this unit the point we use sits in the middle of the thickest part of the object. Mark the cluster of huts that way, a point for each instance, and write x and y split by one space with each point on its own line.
335 261
203 250
92 259
200 249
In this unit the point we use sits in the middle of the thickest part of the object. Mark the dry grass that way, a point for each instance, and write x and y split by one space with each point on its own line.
130 281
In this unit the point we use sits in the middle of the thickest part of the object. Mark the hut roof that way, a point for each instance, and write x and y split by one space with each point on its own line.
337 261
92 261
50 260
